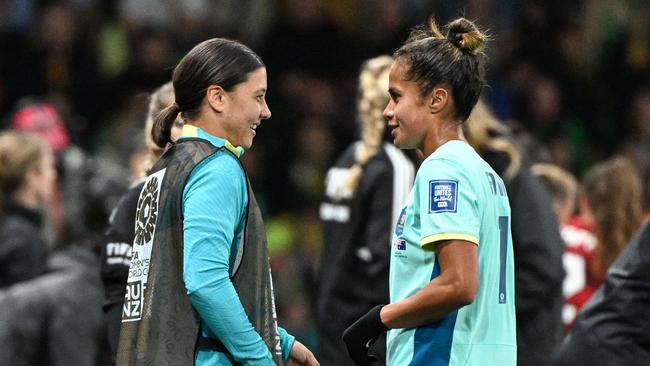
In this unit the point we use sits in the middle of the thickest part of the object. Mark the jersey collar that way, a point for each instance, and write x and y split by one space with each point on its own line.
193 131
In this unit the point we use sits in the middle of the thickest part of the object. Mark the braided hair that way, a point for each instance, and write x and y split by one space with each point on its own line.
372 99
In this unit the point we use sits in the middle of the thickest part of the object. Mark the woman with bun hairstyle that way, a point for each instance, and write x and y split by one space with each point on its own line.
365 191
199 289
451 271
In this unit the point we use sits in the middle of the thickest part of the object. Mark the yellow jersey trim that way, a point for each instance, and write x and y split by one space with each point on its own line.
193 131
190 131
237 150
448 236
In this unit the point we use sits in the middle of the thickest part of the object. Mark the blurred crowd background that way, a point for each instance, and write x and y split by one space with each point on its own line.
571 78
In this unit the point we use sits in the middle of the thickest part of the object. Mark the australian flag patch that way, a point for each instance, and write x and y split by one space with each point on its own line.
442 195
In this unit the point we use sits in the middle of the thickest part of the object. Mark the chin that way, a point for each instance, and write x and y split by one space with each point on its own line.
247 144
398 144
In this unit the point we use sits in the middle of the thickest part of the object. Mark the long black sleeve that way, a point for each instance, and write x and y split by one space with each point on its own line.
115 260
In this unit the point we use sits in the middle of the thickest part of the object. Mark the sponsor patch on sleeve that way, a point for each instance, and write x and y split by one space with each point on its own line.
442 195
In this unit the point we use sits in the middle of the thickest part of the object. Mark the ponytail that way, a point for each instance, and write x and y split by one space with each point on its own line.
162 126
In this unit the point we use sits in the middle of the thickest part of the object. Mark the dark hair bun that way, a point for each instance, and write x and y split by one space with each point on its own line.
466 36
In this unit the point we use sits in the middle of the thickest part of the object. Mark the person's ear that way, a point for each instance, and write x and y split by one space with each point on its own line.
216 97
438 99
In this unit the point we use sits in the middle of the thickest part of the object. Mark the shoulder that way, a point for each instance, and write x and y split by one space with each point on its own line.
221 165
14 226
441 167
218 173
123 215
19 235
347 157
457 158
130 198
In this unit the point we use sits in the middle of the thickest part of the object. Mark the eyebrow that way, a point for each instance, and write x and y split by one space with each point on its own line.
261 90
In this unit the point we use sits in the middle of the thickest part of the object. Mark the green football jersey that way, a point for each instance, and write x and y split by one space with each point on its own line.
456 195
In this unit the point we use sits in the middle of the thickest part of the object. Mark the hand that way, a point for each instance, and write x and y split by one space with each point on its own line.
360 336
301 356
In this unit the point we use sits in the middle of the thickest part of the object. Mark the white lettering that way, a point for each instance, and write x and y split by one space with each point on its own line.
334 181
133 301
118 248
118 260
332 212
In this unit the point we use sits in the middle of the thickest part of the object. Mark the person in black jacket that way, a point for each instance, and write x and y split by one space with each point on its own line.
118 240
27 178
54 319
613 328
538 246
365 191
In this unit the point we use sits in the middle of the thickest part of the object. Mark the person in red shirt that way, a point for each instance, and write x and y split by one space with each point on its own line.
610 212
583 276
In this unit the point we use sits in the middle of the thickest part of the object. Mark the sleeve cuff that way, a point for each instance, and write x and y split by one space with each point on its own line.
447 236
286 341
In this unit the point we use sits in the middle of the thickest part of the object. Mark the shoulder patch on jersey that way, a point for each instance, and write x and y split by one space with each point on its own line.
442 195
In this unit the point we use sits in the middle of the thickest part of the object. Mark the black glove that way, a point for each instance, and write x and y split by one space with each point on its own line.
359 336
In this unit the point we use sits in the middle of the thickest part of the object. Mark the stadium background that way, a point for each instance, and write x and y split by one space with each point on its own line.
571 77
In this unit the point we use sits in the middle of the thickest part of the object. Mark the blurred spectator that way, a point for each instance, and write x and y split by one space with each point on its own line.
123 138
612 205
536 240
551 121
376 27
88 188
57 61
610 213
306 105
150 66
303 25
613 327
637 146
54 319
365 192
118 240
307 173
27 178
582 277
562 186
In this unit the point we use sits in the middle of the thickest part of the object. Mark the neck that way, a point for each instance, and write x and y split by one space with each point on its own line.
26 198
209 125
441 134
